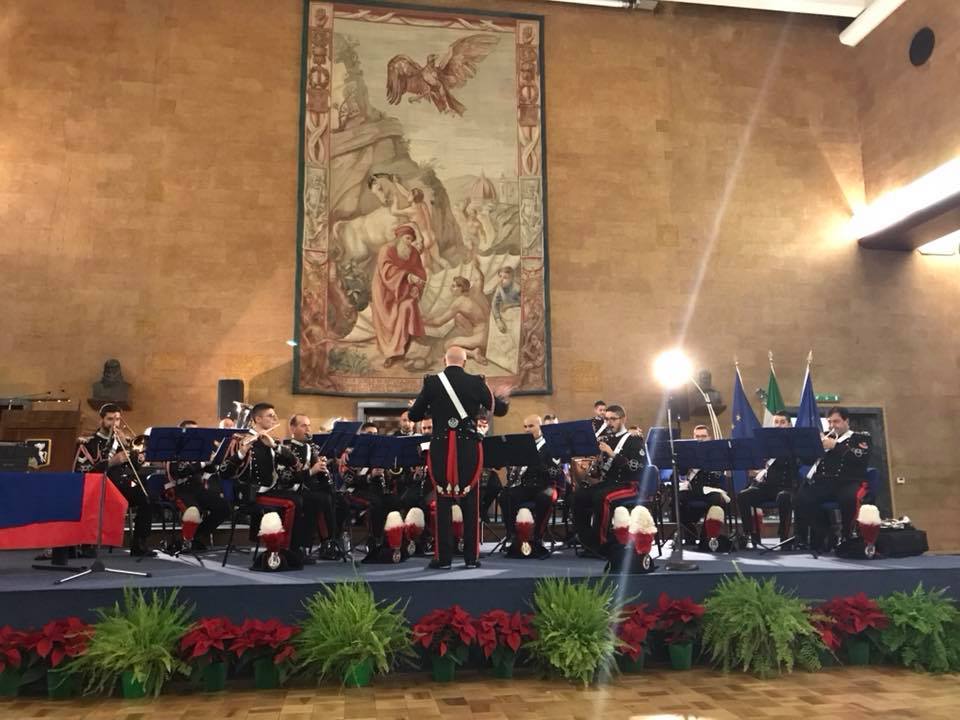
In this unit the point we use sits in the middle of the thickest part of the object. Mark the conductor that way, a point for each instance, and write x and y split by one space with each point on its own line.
454 398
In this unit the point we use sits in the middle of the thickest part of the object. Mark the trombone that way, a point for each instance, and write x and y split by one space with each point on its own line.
128 446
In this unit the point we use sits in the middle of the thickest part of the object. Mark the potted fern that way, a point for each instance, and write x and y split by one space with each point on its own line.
923 631
574 623
206 646
268 646
447 635
135 641
680 621
57 644
633 634
501 635
758 628
854 620
348 634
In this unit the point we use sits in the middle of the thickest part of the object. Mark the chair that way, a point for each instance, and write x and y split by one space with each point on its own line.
547 532
645 492
243 507
161 505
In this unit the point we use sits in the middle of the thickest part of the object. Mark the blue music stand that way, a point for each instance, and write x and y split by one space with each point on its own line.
804 444
568 440
340 438
510 450
191 444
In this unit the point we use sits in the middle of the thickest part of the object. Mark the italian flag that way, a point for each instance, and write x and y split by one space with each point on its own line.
774 398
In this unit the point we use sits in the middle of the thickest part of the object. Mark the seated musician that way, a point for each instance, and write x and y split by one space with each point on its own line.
311 478
187 486
103 453
775 481
836 477
700 490
490 483
256 462
367 491
599 415
532 484
622 457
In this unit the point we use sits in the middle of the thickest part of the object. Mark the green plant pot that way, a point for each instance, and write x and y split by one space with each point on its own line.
266 676
10 682
132 689
61 684
444 668
681 656
359 674
858 651
628 665
503 668
214 677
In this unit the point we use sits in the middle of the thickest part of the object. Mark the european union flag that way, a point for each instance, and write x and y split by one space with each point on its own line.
744 421
809 414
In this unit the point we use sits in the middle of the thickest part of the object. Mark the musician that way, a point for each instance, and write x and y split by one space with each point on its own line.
694 501
454 399
532 484
490 484
257 462
599 409
187 485
775 481
103 453
368 491
836 477
407 426
426 426
622 457
320 497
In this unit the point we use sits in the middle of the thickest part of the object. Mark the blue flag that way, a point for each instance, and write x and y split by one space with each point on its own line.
809 414
744 422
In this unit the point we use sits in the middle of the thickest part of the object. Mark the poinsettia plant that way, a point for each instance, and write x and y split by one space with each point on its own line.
209 640
501 634
265 639
824 627
15 647
680 619
446 632
851 616
61 640
632 632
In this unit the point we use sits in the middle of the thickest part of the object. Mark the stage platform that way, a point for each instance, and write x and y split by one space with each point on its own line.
29 597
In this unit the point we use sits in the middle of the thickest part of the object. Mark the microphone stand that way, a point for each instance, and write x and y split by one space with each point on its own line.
676 561
97 565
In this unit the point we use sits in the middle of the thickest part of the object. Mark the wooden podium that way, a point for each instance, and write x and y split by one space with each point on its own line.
55 432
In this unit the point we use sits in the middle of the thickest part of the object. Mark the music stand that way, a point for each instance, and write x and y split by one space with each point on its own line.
568 440
801 444
501 451
339 439
676 562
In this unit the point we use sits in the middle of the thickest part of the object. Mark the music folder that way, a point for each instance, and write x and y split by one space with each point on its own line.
718 455
658 447
191 444
572 439
802 443
510 451
339 439
385 451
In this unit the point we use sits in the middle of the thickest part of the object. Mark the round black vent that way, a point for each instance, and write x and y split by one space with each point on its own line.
921 47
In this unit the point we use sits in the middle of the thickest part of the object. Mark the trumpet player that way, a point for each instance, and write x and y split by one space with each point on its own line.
256 462
106 451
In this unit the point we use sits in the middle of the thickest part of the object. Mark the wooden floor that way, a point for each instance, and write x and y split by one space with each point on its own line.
845 694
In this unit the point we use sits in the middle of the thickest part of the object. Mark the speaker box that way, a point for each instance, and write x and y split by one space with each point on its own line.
228 392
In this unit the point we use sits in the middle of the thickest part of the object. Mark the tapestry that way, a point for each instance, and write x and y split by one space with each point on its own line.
422 221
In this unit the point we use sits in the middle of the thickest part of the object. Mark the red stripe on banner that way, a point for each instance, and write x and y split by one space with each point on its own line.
79 532
605 508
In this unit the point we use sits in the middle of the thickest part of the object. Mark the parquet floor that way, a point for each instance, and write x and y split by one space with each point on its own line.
846 694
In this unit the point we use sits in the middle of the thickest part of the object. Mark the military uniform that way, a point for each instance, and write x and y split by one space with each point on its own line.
367 491
532 484
187 487
618 473
776 481
93 455
694 503
322 504
836 477
455 459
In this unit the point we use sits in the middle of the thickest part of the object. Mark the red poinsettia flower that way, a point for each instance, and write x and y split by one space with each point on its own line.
636 626
62 639
264 638
679 618
209 639
851 615
15 646
445 630
498 628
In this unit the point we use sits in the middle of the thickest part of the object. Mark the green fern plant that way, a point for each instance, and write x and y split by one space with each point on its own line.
141 635
345 625
759 628
575 625
924 630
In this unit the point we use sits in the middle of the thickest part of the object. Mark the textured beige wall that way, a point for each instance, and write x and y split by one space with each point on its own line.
701 165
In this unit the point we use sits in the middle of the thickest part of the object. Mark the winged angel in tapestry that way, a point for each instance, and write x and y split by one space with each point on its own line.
422 215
